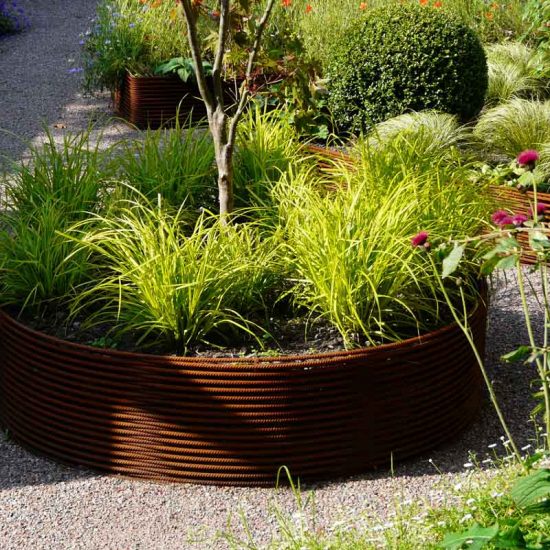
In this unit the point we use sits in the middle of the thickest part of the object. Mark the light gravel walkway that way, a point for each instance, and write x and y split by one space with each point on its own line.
48 506
36 87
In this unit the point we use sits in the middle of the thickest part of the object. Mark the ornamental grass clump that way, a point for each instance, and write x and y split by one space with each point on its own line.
350 248
162 283
175 163
515 70
514 126
267 145
405 58
57 186
39 268
429 135
72 175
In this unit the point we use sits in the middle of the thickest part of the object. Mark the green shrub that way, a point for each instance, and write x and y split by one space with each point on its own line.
406 58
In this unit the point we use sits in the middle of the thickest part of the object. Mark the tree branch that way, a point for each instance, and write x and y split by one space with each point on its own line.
225 15
245 89
194 45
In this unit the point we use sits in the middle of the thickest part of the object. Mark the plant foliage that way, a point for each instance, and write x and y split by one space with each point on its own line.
406 58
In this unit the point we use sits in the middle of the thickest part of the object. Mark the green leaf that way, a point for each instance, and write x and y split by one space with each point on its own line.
539 241
511 537
533 491
507 245
519 354
507 262
184 73
474 538
450 263
526 180
489 265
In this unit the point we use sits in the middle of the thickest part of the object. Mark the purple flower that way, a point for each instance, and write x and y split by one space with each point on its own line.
519 219
528 157
420 239
541 209
501 218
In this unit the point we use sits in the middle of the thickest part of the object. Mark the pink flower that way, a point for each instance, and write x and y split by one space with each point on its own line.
501 218
541 209
420 239
530 156
519 219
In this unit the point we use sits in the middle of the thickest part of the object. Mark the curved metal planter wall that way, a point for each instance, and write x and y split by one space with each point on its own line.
520 203
153 101
236 421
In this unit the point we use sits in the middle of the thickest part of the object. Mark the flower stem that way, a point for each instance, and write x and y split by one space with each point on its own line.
464 326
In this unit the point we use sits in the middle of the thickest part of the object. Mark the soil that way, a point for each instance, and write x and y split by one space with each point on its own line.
288 335
292 336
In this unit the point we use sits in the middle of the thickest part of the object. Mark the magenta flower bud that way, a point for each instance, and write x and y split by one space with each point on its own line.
498 216
519 219
420 239
541 209
528 157
502 218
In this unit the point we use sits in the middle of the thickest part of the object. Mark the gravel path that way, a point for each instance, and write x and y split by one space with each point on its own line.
36 87
47 506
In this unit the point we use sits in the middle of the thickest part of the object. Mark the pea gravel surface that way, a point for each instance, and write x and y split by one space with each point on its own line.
44 505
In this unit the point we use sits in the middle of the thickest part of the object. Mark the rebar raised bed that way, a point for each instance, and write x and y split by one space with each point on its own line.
520 202
155 101
236 421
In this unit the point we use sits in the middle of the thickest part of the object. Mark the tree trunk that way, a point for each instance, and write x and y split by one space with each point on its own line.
223 150
222 128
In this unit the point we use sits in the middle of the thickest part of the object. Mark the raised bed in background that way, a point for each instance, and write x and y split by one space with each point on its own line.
509 198
153 101
236 421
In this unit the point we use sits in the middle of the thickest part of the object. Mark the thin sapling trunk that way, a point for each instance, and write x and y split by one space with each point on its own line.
223 127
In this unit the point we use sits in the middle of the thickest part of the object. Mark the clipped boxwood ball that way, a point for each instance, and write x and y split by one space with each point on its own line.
406 58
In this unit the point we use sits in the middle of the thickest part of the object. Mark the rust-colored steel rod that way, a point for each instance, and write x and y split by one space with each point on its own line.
236 421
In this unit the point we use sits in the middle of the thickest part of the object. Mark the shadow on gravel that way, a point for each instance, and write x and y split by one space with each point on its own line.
21 468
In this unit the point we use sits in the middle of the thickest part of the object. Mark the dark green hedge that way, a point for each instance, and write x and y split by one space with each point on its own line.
406 58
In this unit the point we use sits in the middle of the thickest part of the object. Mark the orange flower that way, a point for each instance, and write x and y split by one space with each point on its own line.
363 6
489 16
423 2
494 6
308 8
156 3
438 4
286 3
